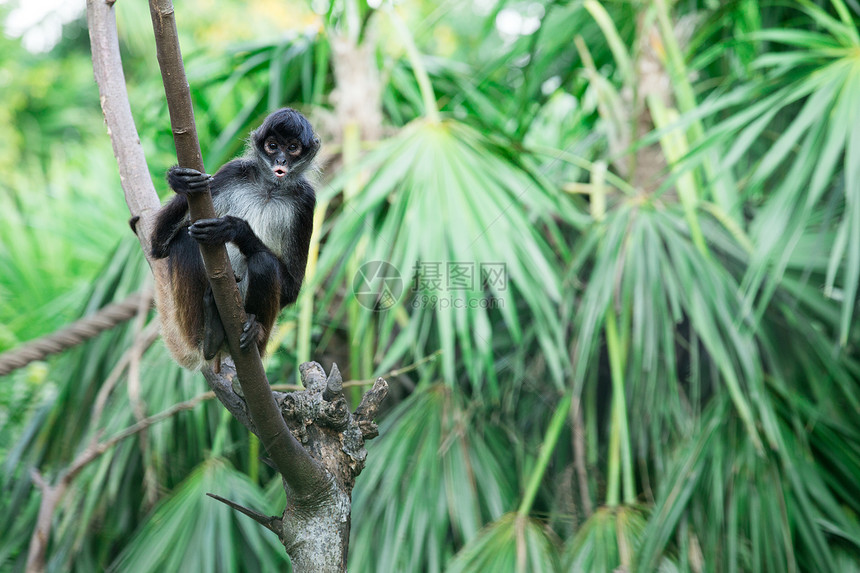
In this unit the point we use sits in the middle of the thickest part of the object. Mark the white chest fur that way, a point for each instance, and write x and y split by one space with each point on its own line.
269 217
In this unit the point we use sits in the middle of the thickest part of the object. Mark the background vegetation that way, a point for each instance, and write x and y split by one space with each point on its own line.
666 380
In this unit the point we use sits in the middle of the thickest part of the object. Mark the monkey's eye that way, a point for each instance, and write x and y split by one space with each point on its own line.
294 148
271 146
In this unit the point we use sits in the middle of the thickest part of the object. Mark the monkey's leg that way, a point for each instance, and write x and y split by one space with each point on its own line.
263 295
262 301
213 330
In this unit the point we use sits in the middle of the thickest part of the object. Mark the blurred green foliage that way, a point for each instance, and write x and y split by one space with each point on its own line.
672 190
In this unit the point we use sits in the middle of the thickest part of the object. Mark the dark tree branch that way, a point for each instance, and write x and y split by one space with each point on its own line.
300 471
222 383
335 437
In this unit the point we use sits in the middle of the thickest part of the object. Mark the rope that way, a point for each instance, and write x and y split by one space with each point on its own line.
74 334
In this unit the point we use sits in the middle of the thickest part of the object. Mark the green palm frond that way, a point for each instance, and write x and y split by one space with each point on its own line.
443 194
808 99
664 291
189 531
607 541
48 251
437 478
748 511
512 543
114 490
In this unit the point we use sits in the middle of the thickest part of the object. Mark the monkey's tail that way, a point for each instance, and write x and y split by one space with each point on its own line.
179 301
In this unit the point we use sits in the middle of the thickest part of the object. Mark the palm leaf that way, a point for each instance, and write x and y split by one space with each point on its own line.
607 541
511 543
444 194
433 479
189 531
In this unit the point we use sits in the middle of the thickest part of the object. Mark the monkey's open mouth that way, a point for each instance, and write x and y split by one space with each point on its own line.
279 171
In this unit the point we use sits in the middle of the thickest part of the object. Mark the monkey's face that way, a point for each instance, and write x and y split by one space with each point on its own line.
281 155
286 143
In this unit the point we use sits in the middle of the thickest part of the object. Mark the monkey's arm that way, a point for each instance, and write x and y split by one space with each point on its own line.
229 229
296 246
167 223
235 171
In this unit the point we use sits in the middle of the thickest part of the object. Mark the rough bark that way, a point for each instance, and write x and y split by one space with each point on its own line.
319 472
314 527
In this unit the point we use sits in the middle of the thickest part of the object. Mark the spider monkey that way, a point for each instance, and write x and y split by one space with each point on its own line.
265 209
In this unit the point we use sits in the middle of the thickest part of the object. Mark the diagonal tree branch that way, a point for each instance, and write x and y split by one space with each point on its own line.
139 192
299 469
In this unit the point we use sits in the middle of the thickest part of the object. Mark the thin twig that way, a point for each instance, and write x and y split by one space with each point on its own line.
145 340
102 447
53 494
368 381
578 435
393 373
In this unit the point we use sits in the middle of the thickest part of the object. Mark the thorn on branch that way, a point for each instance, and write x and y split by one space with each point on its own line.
270 522
268 461
333 385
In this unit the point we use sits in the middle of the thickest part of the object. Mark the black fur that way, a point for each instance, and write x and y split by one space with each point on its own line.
213 335
133 223
287 123
269 187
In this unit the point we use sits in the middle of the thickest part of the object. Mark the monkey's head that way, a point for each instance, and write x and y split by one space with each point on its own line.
285 143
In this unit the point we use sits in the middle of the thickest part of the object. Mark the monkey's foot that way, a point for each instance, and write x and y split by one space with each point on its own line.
160 250
133 223
251 332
